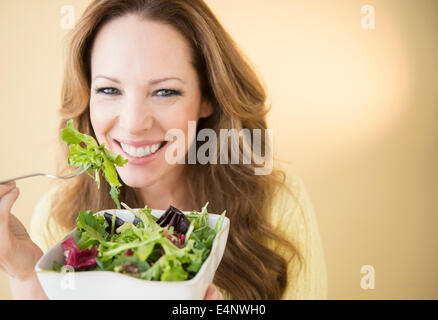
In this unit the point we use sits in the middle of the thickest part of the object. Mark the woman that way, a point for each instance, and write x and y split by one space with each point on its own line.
135 70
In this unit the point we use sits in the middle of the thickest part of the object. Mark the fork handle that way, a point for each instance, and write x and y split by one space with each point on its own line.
23 177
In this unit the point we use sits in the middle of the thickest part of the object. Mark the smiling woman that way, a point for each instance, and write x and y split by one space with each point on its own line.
137 69
149 87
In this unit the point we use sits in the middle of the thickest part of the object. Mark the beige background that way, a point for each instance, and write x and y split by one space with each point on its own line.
353 114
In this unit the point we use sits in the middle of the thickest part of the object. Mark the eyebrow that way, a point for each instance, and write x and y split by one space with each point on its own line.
152 82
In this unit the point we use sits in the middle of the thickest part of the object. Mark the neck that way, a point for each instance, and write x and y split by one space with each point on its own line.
168 190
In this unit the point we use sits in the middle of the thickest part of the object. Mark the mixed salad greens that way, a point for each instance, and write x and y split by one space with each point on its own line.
172 247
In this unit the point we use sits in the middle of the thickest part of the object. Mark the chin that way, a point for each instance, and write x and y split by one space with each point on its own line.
137 179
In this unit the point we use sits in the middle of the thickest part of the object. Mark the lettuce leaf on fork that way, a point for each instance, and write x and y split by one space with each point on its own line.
95 156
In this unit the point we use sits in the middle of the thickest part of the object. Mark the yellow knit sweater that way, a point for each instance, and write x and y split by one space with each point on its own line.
293 215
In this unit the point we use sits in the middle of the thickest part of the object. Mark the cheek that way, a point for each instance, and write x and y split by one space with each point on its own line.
100 121
179 114
183 117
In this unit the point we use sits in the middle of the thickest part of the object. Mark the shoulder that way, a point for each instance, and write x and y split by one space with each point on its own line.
293 215
292 202
43 229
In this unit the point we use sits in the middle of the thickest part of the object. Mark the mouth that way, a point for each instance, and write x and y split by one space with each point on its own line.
140 151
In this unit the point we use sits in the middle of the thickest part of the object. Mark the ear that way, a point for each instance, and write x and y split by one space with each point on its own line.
206 108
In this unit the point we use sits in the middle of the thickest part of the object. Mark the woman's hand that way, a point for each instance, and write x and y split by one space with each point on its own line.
18 253
213 293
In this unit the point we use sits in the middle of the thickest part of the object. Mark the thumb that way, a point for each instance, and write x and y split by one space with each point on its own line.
6 203
213 293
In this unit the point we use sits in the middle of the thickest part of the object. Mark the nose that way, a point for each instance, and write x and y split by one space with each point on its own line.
136 117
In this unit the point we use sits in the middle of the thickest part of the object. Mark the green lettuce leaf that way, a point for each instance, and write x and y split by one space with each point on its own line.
97 158
91 227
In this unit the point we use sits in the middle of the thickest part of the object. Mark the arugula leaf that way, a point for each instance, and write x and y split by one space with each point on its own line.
123 247
91 229
145 216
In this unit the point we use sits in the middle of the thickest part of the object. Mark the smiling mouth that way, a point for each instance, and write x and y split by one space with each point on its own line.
141 152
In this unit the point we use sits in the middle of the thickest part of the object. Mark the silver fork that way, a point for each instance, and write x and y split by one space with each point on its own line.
80 171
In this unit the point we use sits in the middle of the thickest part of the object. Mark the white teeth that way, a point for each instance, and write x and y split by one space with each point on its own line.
140 152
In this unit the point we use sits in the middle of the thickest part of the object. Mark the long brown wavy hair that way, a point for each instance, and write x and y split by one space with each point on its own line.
249 268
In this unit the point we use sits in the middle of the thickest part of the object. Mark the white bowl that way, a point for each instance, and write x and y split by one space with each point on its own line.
105 285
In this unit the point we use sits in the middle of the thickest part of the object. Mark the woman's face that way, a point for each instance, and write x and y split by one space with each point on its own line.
143 84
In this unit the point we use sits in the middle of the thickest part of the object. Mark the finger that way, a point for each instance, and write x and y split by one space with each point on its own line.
6 203
213 293
210 292
8 199
6 187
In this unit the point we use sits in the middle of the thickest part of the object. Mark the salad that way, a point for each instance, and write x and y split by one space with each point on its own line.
172 247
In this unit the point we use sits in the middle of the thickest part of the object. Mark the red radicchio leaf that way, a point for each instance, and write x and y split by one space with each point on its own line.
176 238
79 259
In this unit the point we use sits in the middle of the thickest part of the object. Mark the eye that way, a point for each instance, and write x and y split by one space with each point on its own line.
167 93
108 91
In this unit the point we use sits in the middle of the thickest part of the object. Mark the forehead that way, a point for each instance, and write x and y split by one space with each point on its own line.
133 47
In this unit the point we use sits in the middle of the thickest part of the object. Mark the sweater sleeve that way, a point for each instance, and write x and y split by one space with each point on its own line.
295 218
